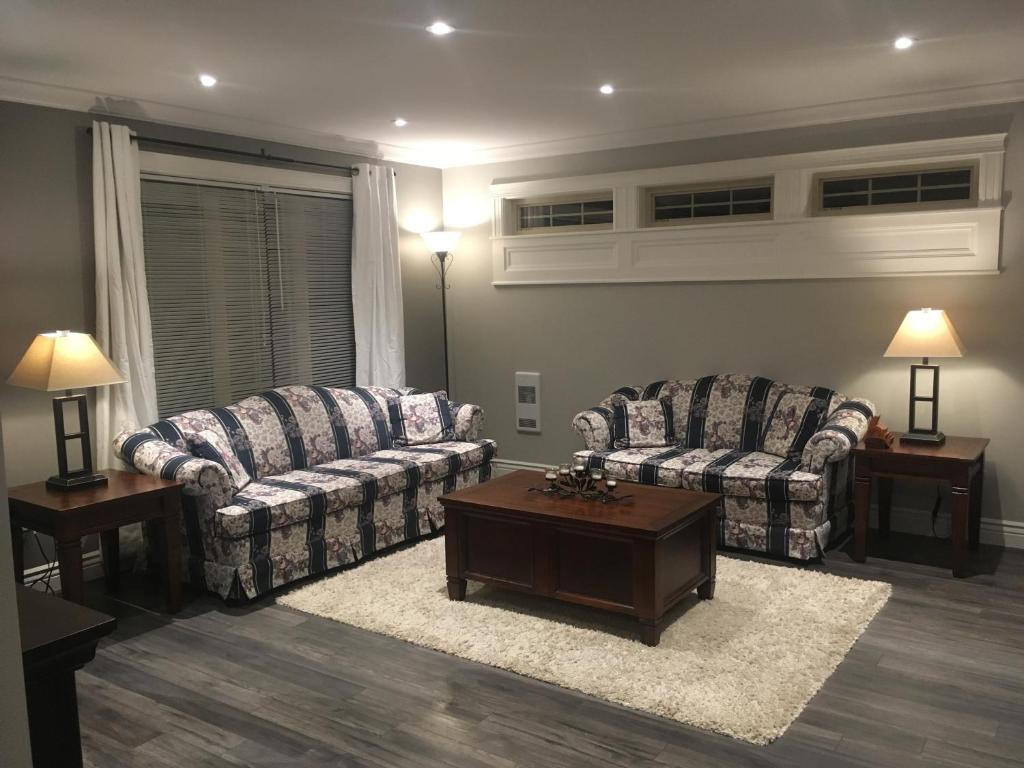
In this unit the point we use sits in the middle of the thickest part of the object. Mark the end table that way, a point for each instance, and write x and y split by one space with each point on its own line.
67 516
960 462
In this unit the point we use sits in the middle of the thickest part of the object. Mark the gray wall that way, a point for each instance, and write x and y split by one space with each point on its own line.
46 255
14 743
587 340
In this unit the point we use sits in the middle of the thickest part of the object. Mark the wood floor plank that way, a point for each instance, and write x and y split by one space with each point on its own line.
937 680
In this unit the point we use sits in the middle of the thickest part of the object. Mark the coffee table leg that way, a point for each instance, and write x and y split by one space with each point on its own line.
650 632
456 588
706 591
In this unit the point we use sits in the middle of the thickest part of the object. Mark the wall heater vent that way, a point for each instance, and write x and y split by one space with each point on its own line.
527 401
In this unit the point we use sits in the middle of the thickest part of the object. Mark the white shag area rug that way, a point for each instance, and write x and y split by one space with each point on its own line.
744 664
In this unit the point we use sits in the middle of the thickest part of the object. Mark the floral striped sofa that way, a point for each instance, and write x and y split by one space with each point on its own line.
792 502
328 484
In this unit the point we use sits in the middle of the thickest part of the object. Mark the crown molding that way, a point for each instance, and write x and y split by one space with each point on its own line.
839 112
83 100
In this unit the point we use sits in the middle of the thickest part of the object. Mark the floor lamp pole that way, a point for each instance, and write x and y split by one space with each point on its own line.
443 258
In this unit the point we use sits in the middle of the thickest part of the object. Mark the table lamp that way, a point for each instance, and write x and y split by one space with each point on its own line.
925 333
64 360
441 245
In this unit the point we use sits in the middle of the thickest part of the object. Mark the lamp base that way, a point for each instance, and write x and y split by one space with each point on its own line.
923 438
74 482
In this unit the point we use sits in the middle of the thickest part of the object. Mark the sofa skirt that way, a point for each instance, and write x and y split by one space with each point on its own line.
246 568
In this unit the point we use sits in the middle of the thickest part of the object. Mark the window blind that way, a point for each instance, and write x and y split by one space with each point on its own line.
249 289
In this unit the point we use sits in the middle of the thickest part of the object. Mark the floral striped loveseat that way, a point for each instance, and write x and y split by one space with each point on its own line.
326 485
791 501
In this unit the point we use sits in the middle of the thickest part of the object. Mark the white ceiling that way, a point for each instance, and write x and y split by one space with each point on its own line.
518 78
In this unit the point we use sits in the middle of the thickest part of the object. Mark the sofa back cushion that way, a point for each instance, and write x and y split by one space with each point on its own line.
794 417
293 427
719 411
420 419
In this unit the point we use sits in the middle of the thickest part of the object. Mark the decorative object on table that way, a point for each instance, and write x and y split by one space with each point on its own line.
568 481
64 360
925 333
878 436
442 247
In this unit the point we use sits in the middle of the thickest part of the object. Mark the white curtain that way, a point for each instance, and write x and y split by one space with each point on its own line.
377 279
122 305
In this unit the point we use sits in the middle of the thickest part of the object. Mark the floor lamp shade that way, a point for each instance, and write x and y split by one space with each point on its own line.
925 333
64 361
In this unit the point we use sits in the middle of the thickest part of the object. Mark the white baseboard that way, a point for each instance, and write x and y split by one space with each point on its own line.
1003 533
92 568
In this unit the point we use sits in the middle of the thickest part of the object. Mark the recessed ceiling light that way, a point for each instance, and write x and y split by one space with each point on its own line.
902 43
440 29
207 81
400 122
607 89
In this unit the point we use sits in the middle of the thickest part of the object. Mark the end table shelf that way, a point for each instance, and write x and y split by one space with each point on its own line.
67 516
959 462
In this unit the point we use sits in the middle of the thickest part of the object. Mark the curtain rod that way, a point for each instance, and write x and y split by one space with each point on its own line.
261 155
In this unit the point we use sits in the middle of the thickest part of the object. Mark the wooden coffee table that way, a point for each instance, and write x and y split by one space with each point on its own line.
638 557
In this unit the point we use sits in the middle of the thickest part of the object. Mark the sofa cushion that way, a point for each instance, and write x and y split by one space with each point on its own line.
420 419
653 466
295 496
643 424
215 447
793 419
752 474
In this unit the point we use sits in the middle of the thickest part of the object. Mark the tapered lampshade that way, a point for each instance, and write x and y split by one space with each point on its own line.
64 360
926 333
441 242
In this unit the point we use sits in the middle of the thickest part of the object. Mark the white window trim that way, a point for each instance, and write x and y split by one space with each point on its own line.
794 244
199 169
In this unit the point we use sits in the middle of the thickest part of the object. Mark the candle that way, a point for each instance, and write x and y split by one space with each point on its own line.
550 475
611 484
595 474
579 468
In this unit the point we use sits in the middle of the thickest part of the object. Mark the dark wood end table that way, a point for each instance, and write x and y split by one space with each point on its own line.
67 516
960 462
57 638
639 557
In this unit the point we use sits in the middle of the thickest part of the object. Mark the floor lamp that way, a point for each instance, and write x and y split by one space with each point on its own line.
442 248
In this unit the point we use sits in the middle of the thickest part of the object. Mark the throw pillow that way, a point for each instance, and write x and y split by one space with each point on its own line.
791 423
208 444
643 424
421 419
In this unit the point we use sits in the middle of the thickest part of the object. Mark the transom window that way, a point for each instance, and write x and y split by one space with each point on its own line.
924 188
577 212
696 203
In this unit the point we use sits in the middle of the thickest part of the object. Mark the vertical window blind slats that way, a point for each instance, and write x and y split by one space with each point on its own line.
248 290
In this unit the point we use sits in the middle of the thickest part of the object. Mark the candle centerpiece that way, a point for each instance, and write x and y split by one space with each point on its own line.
566 481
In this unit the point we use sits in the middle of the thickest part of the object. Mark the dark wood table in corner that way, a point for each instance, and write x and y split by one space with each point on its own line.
960 462
58 637
67 516
638 557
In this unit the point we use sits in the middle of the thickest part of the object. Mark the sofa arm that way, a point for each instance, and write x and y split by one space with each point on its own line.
595 427
844 428
151 455
468 420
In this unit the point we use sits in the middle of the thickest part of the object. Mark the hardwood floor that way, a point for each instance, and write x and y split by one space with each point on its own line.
937 680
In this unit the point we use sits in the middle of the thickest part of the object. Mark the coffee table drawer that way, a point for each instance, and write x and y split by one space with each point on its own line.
499 549
593 566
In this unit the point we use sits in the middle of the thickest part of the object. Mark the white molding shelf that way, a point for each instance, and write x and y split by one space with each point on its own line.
793 245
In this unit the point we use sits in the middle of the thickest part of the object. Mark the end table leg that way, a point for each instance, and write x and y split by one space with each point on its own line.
69 561
18 552
456 588
977 484
861 510
961 522
171 534
110 547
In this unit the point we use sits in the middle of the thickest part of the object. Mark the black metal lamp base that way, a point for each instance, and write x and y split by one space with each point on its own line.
75 482
923 438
